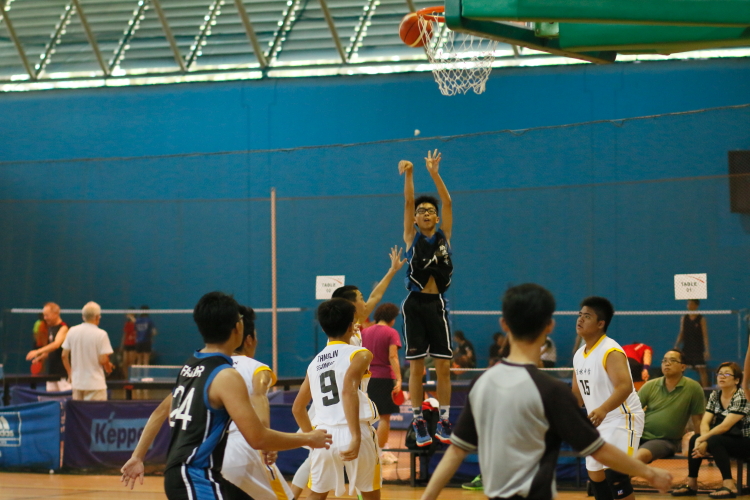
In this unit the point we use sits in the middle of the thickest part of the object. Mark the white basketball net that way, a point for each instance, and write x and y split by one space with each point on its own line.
460 61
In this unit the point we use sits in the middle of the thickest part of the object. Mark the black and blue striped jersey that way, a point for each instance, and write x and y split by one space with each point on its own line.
198 430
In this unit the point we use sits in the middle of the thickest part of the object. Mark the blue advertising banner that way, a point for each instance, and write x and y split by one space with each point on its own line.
30 435
105 433
20 395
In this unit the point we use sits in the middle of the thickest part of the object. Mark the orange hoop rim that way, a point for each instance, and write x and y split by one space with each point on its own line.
430 13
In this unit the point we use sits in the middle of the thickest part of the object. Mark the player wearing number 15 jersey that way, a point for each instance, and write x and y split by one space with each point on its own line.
336 382
602 382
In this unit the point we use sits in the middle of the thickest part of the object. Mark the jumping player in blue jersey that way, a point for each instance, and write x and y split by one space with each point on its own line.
426 327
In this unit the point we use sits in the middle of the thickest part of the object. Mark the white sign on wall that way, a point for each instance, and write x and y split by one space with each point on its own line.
690 286
325 285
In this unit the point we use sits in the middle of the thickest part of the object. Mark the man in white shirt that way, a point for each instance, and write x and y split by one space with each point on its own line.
85 355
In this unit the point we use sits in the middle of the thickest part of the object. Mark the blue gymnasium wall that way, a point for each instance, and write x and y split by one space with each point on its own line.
569 207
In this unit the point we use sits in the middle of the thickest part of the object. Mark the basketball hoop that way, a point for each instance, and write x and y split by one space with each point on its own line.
460 61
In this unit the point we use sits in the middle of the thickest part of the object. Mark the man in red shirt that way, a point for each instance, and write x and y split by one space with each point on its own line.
641 353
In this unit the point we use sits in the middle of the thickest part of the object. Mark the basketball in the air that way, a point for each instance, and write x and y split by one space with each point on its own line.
409 30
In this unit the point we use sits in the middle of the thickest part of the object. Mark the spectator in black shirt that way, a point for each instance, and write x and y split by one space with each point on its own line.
464 356
498 341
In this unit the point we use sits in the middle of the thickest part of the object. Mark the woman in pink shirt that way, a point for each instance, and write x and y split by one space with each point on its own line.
383 341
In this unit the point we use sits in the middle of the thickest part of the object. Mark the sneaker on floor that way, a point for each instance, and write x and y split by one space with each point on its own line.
388 458
420 431
443 431
474 485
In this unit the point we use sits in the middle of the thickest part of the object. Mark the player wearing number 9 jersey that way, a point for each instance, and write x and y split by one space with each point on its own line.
336 382
602 382
209 392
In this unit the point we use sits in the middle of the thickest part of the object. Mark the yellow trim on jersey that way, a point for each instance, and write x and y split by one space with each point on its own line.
376 481
351 356
264 368
629 425
331 342
604 358
586 354
276 486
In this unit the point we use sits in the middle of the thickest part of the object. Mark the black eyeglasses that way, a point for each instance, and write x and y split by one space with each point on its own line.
422 211
671 361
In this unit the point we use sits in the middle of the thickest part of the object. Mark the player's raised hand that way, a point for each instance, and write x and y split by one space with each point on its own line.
661 479
352 452
404 166
396 261
433 161
132 470
319 438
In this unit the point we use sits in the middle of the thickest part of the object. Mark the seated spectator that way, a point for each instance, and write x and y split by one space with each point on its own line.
668 402
548 357
464 357
498 340
724 433
643 354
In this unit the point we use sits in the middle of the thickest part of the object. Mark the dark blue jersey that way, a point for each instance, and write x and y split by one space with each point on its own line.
429 257
198 430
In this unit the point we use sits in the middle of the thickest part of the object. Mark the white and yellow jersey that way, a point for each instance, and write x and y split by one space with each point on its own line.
356 339
248 367
594 382
326 375
243 466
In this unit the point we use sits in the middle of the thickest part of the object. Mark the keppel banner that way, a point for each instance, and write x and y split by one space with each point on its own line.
105 433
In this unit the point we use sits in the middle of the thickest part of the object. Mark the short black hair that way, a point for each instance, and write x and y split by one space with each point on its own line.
144 307
682 357
527 310
459 334
216 314
386 312
335 316
426 198
697 301
347 292
602 307
248 318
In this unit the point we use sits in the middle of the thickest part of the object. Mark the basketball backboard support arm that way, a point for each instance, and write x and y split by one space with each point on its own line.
515 36
655 12
648 39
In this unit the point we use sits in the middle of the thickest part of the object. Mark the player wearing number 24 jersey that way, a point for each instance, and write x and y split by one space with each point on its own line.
209 392
336 382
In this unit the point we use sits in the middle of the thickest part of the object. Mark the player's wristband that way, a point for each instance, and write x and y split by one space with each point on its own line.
646 367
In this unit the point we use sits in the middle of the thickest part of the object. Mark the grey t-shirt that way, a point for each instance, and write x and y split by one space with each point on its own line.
516 417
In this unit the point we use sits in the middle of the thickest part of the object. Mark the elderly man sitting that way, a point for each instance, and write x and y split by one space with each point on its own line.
669 402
